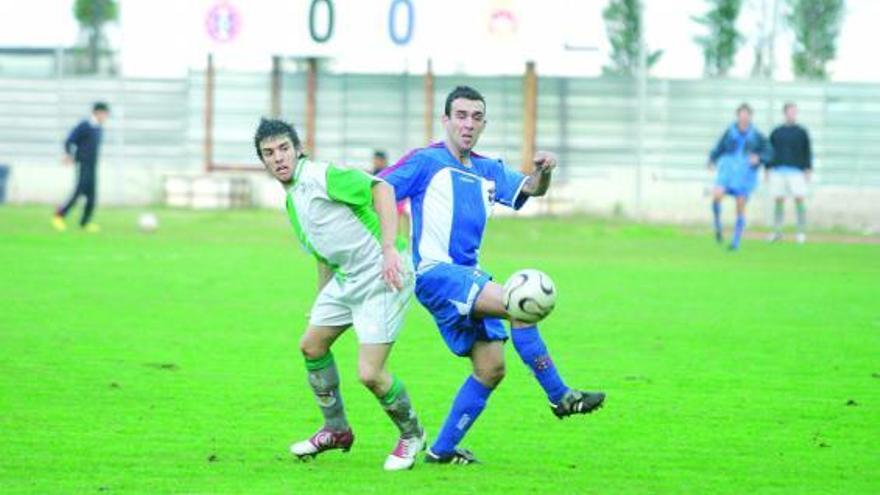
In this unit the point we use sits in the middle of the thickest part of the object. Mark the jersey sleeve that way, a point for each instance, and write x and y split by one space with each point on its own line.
75 137
350 186
808 150
718 150
408 176
764 149
508 185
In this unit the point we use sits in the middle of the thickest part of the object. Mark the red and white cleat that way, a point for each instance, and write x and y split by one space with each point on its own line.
322 441
404 454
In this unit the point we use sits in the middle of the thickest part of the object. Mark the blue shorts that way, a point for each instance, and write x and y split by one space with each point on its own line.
449 292
735 192
736 176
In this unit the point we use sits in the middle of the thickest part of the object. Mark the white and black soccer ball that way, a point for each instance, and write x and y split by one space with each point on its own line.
529 295
148 222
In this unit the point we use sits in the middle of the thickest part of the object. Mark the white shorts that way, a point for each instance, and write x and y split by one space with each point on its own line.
375 311
787 183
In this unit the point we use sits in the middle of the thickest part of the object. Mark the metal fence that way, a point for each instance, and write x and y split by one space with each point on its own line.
593 124
149 118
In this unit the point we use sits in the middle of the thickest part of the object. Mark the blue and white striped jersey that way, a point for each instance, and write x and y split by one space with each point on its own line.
451 202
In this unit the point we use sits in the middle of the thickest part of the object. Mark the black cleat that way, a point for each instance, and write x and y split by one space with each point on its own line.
460 456
719 238
578 402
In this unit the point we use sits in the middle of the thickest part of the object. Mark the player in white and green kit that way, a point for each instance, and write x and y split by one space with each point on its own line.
347 219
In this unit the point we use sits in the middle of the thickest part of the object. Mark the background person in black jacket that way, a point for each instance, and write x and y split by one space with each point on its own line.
82 146
789 172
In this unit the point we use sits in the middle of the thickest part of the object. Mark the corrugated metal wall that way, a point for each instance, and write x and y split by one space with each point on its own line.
593 124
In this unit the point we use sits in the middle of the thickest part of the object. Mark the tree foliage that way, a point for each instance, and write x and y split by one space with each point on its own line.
623 24
723 40
816 24
92 15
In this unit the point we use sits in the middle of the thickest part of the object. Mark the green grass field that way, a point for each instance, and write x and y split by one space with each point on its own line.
168 363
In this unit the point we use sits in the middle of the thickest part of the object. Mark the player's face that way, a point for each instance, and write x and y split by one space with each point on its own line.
791 114
278 154
465 123
101 116
743 119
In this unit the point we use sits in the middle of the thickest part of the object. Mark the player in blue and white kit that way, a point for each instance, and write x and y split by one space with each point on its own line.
737 156
452 191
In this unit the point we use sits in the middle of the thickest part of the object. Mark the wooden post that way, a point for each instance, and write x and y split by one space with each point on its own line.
429 103
530 117
311 91
276 87
209 114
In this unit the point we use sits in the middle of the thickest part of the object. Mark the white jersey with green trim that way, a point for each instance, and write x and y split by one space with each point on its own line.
331 210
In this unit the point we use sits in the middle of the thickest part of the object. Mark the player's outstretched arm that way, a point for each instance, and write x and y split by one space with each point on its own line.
386 208
539 179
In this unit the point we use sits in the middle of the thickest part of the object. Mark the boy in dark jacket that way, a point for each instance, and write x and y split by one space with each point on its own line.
82 146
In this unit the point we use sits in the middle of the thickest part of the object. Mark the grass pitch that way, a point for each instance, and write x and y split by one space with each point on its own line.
167 363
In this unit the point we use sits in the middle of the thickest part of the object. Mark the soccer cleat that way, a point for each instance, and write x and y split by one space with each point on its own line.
719 238
774 237
92 228
322 441
58 223
459 456
577 402
404 454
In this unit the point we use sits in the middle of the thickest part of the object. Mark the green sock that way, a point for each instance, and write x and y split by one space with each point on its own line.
801 217
397 405
324 380
778 215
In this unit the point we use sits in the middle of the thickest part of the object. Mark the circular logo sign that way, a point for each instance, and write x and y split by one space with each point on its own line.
223 22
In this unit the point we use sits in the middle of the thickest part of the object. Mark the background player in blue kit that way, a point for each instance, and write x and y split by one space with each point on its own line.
737 156
452 191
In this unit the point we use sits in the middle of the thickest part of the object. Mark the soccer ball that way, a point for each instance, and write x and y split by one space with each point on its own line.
148 222
529 295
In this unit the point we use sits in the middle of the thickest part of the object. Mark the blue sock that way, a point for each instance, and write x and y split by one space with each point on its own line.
528 344
737 231
716 214
468 405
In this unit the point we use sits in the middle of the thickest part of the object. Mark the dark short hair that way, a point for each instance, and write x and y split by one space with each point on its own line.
101 106
788 105
380 154
466 92
274 127
744 106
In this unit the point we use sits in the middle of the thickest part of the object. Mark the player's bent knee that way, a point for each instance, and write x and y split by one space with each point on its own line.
312 348
491 376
